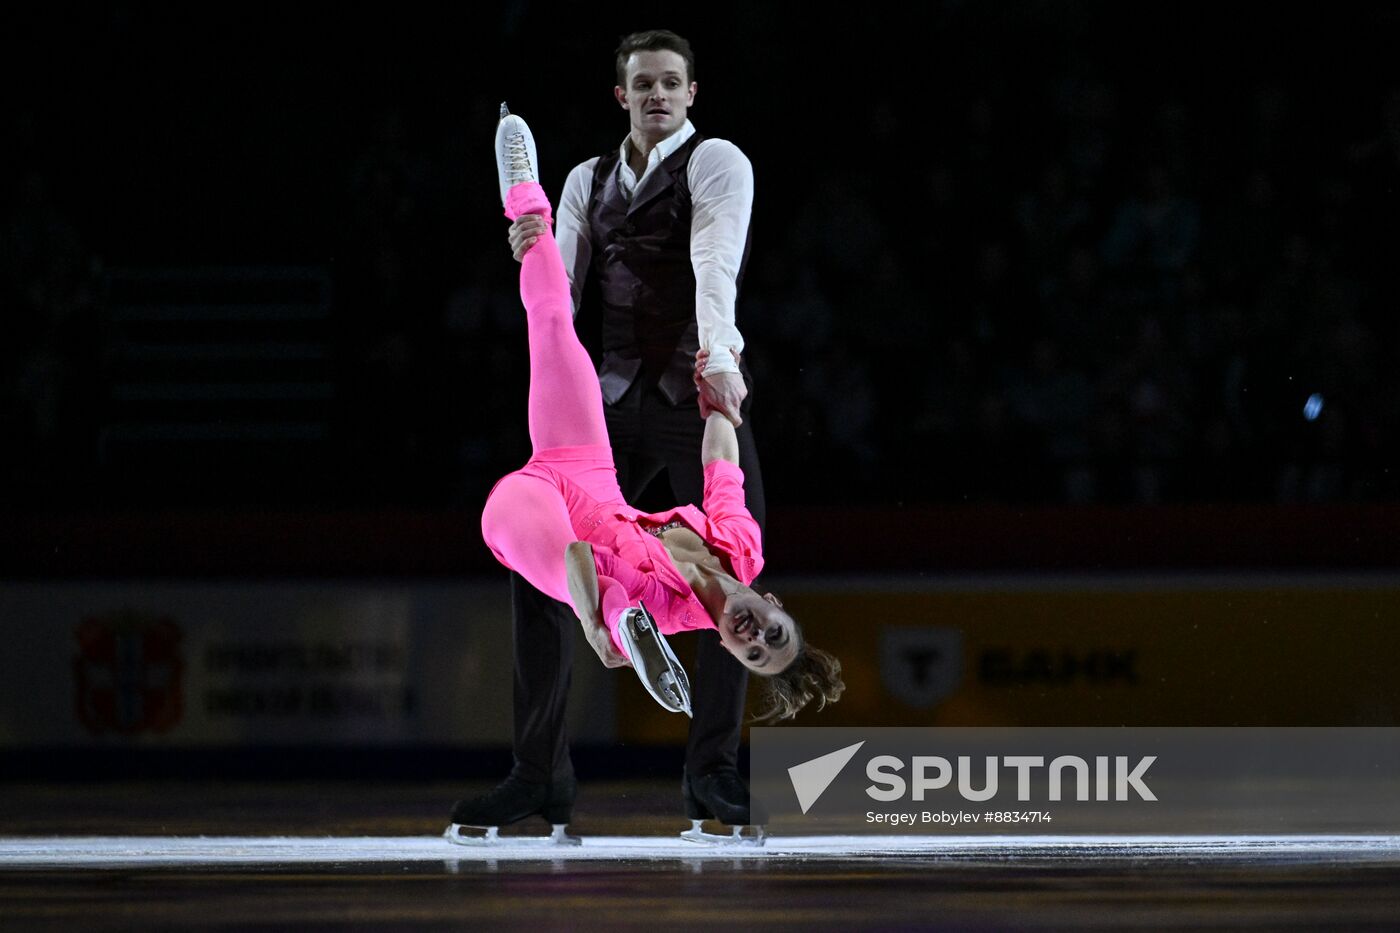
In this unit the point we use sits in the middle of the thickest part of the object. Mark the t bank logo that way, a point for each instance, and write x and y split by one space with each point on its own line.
1109 778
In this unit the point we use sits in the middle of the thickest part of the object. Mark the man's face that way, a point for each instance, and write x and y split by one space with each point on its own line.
657 94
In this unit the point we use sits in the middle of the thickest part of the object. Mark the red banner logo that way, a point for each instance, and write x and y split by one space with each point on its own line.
128 674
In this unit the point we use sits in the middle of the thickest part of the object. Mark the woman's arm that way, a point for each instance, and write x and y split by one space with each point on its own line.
720 441
588 604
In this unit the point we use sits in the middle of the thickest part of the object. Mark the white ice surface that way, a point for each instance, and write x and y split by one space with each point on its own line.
165 851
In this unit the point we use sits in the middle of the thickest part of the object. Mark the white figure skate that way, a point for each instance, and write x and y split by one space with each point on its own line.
654 661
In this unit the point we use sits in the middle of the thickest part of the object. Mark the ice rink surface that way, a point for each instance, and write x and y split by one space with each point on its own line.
96 852
183 855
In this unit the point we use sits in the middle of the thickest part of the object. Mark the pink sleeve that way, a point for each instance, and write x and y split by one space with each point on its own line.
621 585
732 528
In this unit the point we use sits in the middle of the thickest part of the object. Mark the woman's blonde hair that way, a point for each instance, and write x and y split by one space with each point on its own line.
814 675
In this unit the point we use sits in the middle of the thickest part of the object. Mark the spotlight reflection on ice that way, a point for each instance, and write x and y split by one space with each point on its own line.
117 852
1313 407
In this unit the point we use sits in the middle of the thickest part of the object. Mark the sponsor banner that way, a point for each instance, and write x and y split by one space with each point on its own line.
220 664
1050 781
1256 650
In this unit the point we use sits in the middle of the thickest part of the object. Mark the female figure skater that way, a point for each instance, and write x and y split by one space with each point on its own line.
560 521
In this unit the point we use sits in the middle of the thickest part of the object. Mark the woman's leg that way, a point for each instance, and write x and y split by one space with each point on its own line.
526 525
566 406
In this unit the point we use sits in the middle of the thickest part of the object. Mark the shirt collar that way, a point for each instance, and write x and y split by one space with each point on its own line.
664 148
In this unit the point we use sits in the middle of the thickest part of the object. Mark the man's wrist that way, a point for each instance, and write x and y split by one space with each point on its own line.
721 361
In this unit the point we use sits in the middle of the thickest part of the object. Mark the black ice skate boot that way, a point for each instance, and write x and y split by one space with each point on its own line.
722 796
478 821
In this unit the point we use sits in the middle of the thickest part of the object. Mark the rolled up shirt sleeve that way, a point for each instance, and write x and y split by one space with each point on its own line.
721 187
571 229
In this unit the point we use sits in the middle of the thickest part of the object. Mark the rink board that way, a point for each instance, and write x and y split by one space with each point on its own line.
1161 651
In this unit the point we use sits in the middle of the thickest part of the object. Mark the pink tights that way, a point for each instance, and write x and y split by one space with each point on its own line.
526 519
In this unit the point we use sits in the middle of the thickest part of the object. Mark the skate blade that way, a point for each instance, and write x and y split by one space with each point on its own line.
654 661
750 836
487 836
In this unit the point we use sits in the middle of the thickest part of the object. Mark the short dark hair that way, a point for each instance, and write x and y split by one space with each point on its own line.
654 40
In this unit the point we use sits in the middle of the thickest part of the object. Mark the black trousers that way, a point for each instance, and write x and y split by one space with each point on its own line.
648 435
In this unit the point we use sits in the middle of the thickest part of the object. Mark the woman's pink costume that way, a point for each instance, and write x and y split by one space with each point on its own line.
568 490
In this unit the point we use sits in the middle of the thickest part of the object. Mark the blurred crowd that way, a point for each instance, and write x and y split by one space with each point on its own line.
1062 289
1155 313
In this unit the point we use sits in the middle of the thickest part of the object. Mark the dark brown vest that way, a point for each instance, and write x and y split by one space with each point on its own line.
641 257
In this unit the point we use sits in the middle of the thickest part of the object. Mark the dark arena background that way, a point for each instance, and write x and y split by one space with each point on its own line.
1077 358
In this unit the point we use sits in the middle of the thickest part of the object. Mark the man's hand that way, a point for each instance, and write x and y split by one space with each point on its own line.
526 230
721 392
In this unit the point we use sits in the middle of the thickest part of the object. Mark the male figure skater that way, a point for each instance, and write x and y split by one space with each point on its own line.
662 223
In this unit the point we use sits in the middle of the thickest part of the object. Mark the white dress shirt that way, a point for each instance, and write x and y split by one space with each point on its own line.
721 191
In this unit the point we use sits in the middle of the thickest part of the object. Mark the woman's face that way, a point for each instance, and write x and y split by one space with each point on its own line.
757 631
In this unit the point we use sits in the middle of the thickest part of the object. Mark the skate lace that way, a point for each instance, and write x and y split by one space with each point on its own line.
519 169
